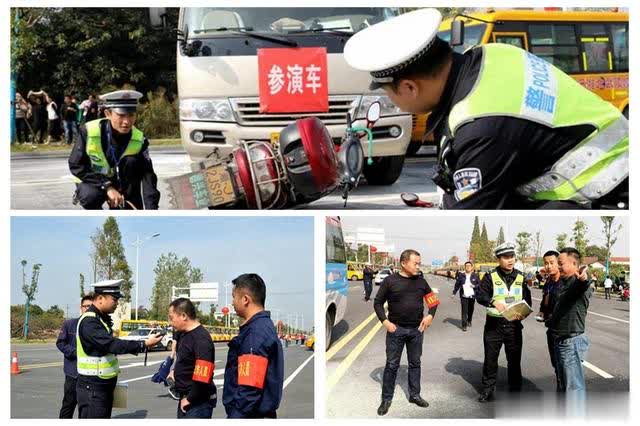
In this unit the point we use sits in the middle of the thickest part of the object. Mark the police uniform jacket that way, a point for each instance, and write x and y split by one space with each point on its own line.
499 153
256 337
80 164
66 343
484 292
97 341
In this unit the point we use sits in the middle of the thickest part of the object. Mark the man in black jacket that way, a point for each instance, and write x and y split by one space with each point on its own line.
111 159
406 294
567 324
193 371
367 280
66 343
96 350
466 282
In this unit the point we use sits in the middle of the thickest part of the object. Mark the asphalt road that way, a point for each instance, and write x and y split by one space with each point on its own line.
44 183
452 364
37 391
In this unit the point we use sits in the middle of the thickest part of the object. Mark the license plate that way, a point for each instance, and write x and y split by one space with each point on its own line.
210 187
220 186
275 138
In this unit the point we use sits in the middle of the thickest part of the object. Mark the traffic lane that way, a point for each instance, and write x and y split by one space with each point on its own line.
298 395
357 312
46 183
539 381
37 392
415 177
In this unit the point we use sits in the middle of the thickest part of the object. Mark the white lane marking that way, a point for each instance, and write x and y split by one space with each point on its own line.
140 364
136 379
600 315
596 370
295 373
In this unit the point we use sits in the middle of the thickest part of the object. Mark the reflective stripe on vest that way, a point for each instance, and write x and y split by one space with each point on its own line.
501 292
532 89
99 162
104 367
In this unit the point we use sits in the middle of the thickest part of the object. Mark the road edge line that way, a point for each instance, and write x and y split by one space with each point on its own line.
296 372
346 339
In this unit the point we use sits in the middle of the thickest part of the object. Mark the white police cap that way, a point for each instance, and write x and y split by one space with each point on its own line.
504 249
111 287
390 46
121 101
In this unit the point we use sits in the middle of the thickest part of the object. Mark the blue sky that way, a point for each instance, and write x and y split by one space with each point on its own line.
280 249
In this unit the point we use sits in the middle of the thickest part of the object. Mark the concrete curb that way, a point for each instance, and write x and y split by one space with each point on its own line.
168 149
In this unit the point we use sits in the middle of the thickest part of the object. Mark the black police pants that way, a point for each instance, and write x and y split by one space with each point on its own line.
95 401
411 338
368 288
69 400
467 305
92 197
499 331
607 293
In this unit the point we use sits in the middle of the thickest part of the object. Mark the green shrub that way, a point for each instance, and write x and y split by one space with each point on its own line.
158 118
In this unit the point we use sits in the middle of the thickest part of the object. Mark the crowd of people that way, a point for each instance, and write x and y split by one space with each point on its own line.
253 373
502 292
39 119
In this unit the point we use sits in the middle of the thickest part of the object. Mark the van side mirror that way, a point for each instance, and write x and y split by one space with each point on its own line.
157 17
457 33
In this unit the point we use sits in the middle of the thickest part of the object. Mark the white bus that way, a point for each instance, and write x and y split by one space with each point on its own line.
218 80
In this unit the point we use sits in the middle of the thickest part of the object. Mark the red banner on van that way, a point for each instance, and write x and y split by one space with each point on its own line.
293 80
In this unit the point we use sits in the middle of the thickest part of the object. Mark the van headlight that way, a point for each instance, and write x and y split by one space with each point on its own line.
206 110
387 107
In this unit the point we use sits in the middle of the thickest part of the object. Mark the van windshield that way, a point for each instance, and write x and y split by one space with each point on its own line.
202 22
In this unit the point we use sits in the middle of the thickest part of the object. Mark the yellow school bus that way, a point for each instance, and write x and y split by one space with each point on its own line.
221 334
592 47
354 272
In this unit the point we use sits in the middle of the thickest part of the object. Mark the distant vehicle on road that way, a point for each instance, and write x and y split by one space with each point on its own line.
381 275
142 334
353 273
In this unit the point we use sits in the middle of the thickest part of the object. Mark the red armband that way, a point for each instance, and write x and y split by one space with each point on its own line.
432 300
252 370
203 371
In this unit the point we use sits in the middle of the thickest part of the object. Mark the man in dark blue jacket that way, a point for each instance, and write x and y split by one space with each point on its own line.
466 282
254 374
66 343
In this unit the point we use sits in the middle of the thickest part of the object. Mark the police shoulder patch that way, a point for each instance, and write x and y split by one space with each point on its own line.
467 181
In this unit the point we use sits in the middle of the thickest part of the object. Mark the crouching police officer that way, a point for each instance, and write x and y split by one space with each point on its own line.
254 374
96 352
501 287
514 131
111 158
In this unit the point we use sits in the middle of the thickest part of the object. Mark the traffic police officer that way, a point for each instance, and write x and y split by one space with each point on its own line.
501 287
96 352
111 158
254 374
514 131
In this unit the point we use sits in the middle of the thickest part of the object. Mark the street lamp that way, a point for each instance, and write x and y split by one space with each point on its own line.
137 244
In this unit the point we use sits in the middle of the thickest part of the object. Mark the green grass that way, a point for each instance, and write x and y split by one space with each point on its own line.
21 148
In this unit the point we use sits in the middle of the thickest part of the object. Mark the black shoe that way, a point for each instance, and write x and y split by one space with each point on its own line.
419 401
469 324
384 408
486 396
464 328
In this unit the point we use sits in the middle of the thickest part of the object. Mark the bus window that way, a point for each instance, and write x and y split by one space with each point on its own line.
620 35
556 44
550 34
513 40
596 56
335 245
472 36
